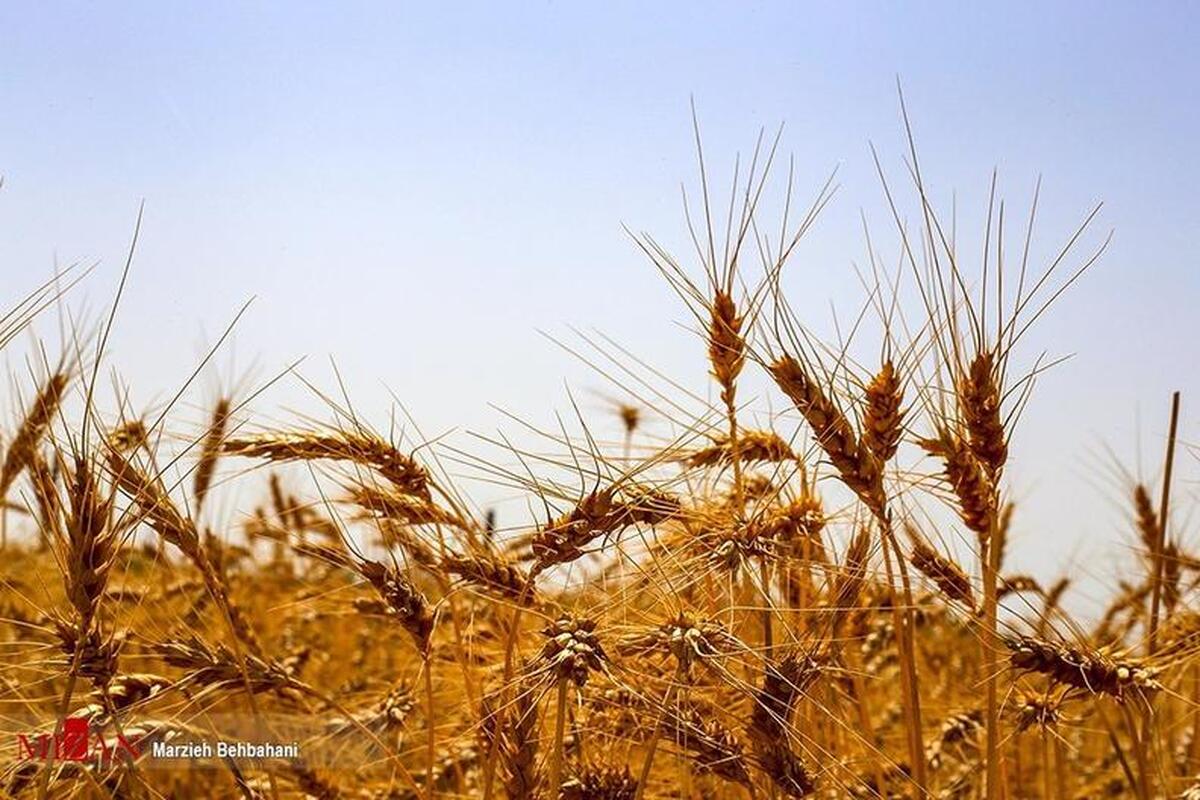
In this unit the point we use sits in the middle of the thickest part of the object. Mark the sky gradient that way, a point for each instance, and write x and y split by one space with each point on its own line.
416 191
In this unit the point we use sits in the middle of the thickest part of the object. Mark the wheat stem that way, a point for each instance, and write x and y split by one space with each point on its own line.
431 734
989 650
1161 528
554 781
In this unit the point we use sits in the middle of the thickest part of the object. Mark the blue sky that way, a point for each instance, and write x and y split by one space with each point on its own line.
416 190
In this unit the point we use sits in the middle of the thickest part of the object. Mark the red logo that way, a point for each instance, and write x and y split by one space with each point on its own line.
76 742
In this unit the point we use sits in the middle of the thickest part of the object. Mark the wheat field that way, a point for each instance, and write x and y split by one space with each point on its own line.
801 590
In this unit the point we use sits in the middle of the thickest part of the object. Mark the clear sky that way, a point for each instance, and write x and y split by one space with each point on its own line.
416 190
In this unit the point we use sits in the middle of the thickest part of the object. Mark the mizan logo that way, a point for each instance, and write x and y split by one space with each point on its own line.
77 742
